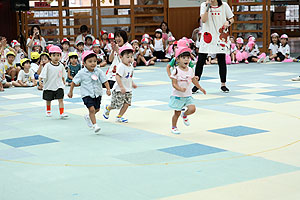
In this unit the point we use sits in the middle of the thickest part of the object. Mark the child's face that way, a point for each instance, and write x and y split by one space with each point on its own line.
65 46
274 39
104 36
10 59
80 47
44 59
145 45
119 41
283 41
135 46
89 41
96 49
111 40
26 65
127 59
157 35
232 40
73 60
239 45
171 42
17 48
91 63
55 57
183 61
36 49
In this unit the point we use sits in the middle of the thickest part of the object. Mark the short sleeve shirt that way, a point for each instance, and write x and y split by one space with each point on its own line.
90 82
274 48
53 76
25 77
184 80
126 73
212 41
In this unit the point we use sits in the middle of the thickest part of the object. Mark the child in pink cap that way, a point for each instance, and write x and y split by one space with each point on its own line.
182 78
122 89
53 76
253 51
240 53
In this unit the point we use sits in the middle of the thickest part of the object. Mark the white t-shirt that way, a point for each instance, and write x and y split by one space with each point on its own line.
148 52
25 77
126 74
52 75
87 48
254 52
19 56
158 45
42 42
285 50
108 48
274 48
184 80
64 56
79 56
3 55
210 41
34 67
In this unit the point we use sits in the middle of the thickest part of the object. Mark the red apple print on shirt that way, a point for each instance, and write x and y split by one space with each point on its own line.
207 37
114 69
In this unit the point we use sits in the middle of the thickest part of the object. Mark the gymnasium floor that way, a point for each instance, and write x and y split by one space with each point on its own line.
240 146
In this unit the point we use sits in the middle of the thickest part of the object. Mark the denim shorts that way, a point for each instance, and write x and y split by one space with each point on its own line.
177 103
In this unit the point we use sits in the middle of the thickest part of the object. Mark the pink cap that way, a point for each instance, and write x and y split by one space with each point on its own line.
111 36
125 47
55 49
274 35
86 53
182 43
284 36
49 46
65 40
182 49
251 39
184 38
145 41
251 44
171 38
96 43
239 40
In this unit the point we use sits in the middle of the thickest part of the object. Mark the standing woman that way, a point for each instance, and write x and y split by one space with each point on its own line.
216 17
166 33
35 37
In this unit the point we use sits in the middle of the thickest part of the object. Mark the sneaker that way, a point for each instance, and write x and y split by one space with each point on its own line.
296 79
96 128
121 120
63 115
185 119
260 60
175 131
48 114
106 112
267 59
195 90
88 121
158 60
148 63
246 61
224 89
237 62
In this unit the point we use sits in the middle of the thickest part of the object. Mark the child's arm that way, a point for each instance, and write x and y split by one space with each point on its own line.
134 85
119 81
22 84
70 94
164 43
196 83
176 86
34 82
69 74
40 82
107 88
169 69
39 69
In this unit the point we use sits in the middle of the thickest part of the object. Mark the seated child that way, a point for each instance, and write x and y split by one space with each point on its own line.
11 69
253 51
45 58
147 52
26 76
108 47
240 54
3 82
73 67
79 50
273 47
20 52
101 59
35 58
211 59
284 49
169 49
65 43
89 39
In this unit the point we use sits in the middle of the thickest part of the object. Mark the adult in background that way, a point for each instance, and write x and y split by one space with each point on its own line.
166 33
216 17
83 32
35 39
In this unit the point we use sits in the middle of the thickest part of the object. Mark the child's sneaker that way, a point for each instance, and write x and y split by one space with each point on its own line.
63 115
175 131
48 114
185 119
260 60
106 112
96 128
246 61
237 62
267 59
296 79
88 121
121 120
224 89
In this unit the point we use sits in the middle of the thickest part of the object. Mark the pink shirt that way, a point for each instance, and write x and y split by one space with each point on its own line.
184 80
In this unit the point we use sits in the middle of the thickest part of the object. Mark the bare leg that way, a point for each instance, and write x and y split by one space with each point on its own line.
175 118
123 109
1 87
61 103
92 114
191 110
16 84
13 73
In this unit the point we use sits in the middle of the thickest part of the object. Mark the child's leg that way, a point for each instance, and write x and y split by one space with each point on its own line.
92 114
191 109
142 58
48 107
12 73
61 106
254 60
123 109
103 64
272 56
175 118
16 84
1 86
7 85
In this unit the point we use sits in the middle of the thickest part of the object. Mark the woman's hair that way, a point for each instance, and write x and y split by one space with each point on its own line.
167 31
83 28
122 34
35 26
220 2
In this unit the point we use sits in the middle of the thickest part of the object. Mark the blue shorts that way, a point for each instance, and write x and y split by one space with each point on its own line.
89 102
177 103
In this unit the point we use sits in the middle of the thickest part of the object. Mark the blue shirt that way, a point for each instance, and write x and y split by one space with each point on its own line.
90 82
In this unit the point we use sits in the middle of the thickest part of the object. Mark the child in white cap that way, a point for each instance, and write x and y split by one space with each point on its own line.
52 79
90 79
122 89
182 78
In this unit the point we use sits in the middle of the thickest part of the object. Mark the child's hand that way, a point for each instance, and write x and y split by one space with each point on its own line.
123 91
108 92
202 90
196 78
134 85
182 89
70 95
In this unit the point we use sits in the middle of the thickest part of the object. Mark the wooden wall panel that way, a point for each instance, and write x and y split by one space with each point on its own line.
182 21
8 21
